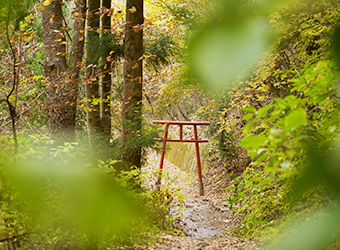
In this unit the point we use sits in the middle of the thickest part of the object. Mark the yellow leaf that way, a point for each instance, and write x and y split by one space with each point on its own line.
58 40
41 8
81 39
118 15
137 28
94 79
46 2
133 9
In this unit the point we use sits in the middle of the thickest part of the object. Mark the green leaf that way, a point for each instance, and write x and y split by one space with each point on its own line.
248 116
249 109
272 165
254 141
262 112
323 168
295 119
225 48
261 158
291 99
281 102
315 233
248 126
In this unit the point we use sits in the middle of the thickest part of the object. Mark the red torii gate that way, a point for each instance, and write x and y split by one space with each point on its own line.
195 140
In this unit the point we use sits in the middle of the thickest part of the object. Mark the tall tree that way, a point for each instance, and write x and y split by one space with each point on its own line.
62 77
106 70
77 47
92 56
132 90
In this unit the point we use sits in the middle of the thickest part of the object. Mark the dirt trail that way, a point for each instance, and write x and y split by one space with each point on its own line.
207 219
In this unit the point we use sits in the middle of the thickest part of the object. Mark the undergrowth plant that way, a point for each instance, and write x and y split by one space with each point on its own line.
56 197
277 135
246 196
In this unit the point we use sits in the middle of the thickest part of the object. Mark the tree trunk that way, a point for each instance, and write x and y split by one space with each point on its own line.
61 115
62 88
77 47
132 90
106 69
76 52
92 56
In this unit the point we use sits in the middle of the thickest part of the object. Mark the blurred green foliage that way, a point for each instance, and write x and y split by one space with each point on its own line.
56 197
229 43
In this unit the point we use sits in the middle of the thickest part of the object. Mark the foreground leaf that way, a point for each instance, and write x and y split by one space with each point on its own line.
224 49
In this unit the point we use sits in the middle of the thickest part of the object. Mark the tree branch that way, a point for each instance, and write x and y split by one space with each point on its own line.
11 108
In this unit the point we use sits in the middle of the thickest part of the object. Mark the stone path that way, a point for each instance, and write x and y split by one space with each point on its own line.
206 222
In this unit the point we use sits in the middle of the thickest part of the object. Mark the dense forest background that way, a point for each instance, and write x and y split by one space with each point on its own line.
82 81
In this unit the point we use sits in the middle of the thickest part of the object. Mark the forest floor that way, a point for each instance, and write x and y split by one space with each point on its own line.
206 220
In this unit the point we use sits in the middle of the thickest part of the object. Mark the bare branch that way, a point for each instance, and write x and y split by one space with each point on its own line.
11 108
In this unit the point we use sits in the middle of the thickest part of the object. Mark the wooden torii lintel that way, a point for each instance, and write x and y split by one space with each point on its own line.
195 140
